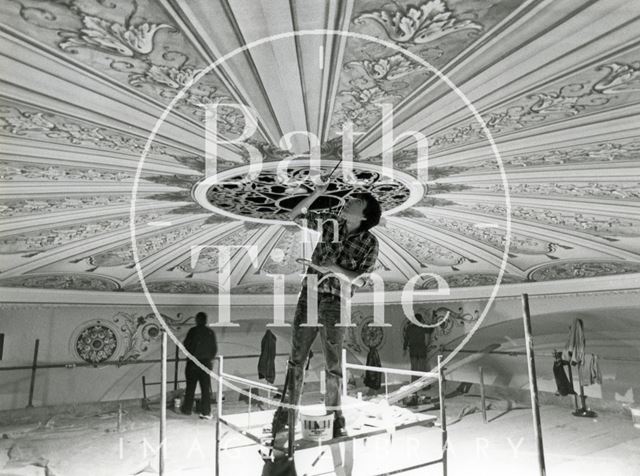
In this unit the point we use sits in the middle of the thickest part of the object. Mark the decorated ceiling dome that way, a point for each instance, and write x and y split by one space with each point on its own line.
85 84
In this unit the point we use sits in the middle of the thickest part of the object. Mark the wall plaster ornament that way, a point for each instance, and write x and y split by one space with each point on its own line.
95 342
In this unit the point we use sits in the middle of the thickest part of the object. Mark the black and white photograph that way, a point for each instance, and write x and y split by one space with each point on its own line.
320 237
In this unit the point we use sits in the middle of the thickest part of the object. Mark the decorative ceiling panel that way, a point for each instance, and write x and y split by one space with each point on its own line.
84 82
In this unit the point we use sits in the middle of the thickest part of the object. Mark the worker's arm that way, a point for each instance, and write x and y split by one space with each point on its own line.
307 202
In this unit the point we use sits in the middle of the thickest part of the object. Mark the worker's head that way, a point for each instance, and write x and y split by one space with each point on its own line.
201 319
362 209
420 318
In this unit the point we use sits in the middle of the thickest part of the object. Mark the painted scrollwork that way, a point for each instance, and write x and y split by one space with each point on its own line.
15 171
600 190
208 258
148 245
425 23
607 227
387 68
600 152
175 78
39 241
566 101
425 251
621 78
138 331
34 206
469 280
78 282
582 269
24 121
112 37
497 238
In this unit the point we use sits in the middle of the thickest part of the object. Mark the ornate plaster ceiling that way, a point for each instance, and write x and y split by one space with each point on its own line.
84 81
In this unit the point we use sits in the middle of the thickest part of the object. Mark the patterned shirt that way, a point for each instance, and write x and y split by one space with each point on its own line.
356 251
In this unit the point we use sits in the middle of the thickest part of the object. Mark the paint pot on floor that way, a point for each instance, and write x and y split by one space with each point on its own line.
317 424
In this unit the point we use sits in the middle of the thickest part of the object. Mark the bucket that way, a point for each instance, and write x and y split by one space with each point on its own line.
317 425
176 404
635 416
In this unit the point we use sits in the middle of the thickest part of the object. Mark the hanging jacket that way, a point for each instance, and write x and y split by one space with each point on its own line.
574 349
266 362
372 379
590 370
565 387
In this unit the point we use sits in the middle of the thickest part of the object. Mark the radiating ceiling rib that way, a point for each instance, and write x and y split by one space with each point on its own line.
400 260
262 241
454 65
567 36
335 56
540 231
590 60
574 172
75 250
28 84
275 71
463 246
200 37
180 251
603 207
31 189
17 225
82 70
86 158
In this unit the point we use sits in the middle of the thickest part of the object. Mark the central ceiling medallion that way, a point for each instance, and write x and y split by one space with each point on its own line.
272 193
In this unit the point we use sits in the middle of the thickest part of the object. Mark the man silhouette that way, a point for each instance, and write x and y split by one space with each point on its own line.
201 344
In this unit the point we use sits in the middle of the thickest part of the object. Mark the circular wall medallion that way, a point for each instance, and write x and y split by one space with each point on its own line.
95 342
270 195
372 337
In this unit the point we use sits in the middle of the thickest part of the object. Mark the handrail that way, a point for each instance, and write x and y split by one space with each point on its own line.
253 383
108 363
392 370
518 353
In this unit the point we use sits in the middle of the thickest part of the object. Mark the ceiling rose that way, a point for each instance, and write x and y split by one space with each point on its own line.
269 196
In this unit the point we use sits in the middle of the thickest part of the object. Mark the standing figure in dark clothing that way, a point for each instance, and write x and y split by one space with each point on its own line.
417 340
201 344
347 248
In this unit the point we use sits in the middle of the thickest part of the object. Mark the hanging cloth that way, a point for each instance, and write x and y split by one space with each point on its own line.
574 348
373 379
565 387
590 370
266 362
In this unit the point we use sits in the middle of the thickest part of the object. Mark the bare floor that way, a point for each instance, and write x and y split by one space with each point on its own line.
81 446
